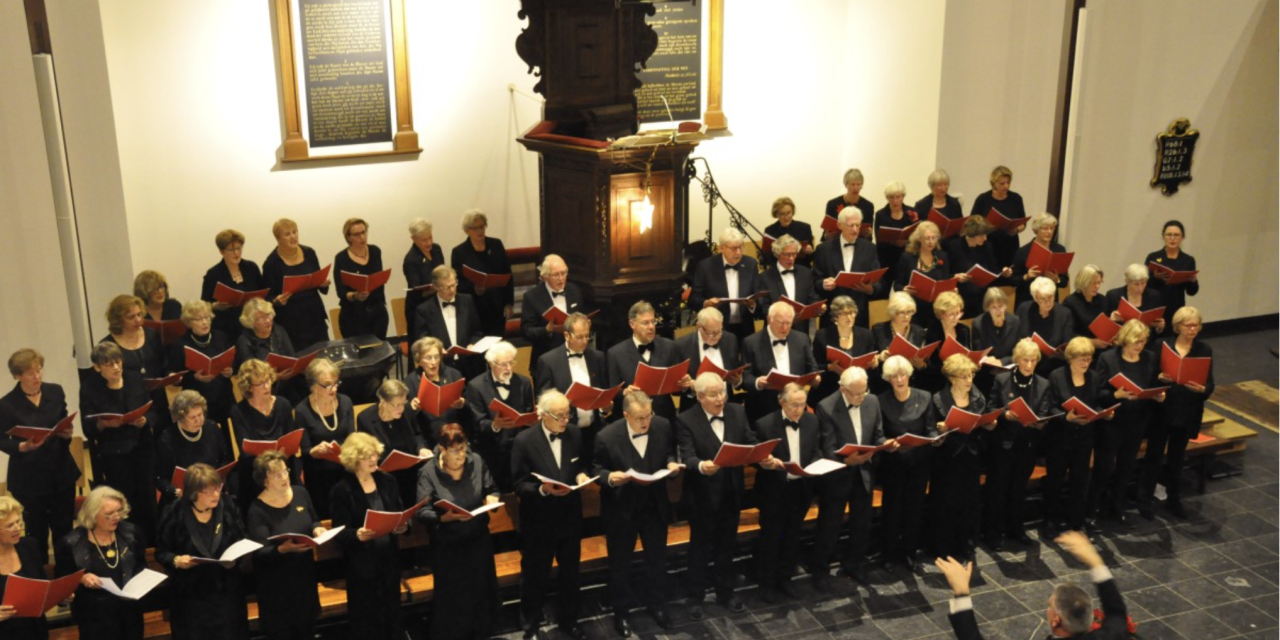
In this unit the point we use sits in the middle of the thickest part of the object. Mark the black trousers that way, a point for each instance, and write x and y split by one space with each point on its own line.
466 602
1166 455
783 506
132 474
620 540
904 482
47 506
535 577
955 494
1066 482
1009 465
713 536
1115 454
842 488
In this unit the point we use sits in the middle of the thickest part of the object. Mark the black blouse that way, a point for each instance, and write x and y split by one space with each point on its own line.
468 492
217 392
493 261
148 360
317 429
1001 339
1084 312
25 628
52 462
174 449
1175 295
251 424
250 346
96 398
417 272
228 320
430 425
1004 244
399 435
344 262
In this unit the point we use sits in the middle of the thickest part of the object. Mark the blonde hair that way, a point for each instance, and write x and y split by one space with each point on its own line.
958 365
913 243
9 507
899 303
253 307
192 309
88 514
283 226
946 302
357 447
1026 348
1183 315
1079 347
117 308
1131 333
250 369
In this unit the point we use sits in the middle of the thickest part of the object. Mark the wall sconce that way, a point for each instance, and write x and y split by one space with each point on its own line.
644 210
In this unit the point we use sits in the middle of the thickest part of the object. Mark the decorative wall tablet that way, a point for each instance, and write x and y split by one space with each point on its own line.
1174 149
686 31
355 75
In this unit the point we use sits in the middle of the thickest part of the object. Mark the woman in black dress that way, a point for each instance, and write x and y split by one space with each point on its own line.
260 416
372 562
1115 450
19 556
41 476
141 349
284 571
104 545
784 211
206 599
123 455
1043 228
947 309
327 418
1179 421
1086 303
233 272
1008 204
302 313
901 308
461 550
939 198
153 289
486 255
1136 293
894 215
196 439
261 337
1069 441
387 422
996 329
852 197
955 472
1172 257
423 256
1043 316
922 254
905 472
203 338
1010 451
841 335
360 313
970 249
428 353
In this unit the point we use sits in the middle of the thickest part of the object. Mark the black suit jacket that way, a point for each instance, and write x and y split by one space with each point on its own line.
806 292
697 442
757 349
1151 299
544 518
828 260
1003 394
709 282
429 321
688 348
837 430
1114 623
481 391
536 301
552 372
623 358
770 427
614 452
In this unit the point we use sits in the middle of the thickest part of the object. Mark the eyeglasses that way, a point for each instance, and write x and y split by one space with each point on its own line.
260 383
16 525
503 365
331 385
558 418
109 517
357 234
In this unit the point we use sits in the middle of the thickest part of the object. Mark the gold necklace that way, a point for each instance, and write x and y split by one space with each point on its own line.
113 552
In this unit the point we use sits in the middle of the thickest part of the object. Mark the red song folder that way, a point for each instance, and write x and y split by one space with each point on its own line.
169 330
894 235
1183 370
484 280
1047 261
294 284
589 398
365 283
31 598
384 522
950 347
708 366
830 224
555 316
900 347
845 360
803 311
501 409
980 277
1129 312
928 289
660 381
285 365
1122 382
1023 413
125 418
1169 275
288 444
965 421
437 399
738 455
946 226
851 279
776 380
999 221
399 460
197 362
180 474
235 297
37 435
1083 410
1046 349
169 380
1104 329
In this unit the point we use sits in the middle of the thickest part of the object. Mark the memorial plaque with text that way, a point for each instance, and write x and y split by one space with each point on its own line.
674 71
1174 150
344 46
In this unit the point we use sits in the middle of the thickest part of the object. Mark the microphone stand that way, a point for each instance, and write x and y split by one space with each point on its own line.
711 195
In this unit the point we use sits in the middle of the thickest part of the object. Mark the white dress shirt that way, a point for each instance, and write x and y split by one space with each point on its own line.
641 444
558 301
731 285
555 444
855 416
578 371
781 357
788 282
450 315
847 252
644 355
713 355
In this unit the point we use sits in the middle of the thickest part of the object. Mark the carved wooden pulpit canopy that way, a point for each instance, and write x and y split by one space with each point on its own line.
616 215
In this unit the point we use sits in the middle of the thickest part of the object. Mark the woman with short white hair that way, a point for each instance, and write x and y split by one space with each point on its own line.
423 256
1012 448
1042 316
1136 293
484 254
894 215
940 198
852 197
1043 227
904 474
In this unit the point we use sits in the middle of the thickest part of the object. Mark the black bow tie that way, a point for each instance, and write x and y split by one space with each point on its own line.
645 347
780 342
575 355
553 436
786 271
707 347
639 435
854 408
850 244
557 293
732 267
504 385
790 424
444 304
719 419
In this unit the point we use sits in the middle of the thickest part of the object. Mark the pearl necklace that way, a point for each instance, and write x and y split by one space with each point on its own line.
188 438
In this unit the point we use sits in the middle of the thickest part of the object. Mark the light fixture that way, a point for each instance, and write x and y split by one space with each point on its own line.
644 211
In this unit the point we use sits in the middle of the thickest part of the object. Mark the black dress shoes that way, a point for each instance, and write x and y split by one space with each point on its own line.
661 616
621 625
732 603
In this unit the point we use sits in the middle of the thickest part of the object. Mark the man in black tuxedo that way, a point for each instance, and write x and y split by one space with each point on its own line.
775 346
576 361
644 345
709 341
1070 613
550 514
730 276
784 498
631 508
555 290
848 252
495 435
452 317
715 494
849 416
786 278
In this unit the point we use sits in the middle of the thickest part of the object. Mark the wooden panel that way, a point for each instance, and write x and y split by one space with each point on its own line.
638 253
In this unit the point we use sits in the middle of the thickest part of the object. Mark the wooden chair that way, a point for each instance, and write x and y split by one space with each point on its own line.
401 323
333 320
877 312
